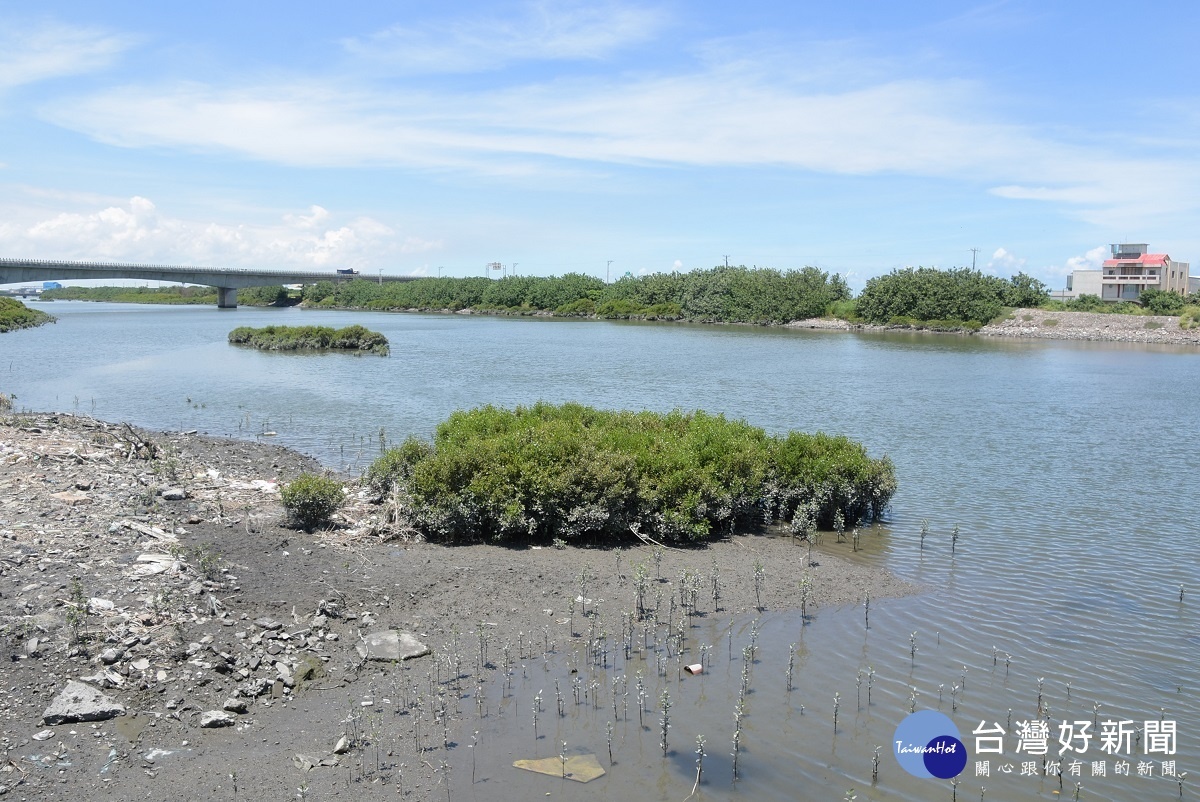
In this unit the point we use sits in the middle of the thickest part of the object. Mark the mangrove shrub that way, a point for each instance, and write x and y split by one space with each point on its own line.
950 297
535 474
310 338
310 501
16 315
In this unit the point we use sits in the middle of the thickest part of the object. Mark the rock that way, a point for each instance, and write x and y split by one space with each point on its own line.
32 647
111 655
235 705
80 702
342 747
212 719
141 664
390 646
72 498
269 624
96 605
174 494
44 735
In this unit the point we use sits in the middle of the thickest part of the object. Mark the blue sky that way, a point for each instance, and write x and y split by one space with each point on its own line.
855 136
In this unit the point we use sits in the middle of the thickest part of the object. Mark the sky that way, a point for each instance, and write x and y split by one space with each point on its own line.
600 137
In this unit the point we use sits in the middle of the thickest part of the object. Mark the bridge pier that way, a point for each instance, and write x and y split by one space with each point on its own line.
226 297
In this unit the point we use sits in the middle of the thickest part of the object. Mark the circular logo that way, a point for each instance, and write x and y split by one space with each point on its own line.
927 744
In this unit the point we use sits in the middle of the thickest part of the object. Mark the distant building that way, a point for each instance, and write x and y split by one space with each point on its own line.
1130 270
51 285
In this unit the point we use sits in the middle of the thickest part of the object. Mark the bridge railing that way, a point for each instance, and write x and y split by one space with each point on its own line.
84 265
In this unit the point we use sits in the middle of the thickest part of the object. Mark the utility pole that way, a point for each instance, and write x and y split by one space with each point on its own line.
726 260
973 252
515 267
608 272
439 271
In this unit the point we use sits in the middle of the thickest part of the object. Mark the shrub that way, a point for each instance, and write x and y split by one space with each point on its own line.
312 338
844 310
1189 317
581 307
577 473
15 315
926 293
1161 302
311 500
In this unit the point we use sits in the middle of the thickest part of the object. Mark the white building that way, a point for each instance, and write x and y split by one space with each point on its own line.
1130 270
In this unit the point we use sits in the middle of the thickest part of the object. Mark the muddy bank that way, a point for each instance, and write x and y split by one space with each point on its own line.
155 569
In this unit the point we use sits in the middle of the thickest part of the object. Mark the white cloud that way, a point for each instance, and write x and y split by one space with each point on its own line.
546 30
1004 263
28 55
137 231
756 111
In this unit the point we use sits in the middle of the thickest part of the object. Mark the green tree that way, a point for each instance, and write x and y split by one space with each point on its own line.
1162 302
1025 291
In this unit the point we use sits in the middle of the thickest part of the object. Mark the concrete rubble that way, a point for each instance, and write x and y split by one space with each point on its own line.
111 613
80 702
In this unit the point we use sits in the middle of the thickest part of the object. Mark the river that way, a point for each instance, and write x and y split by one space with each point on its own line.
1070 470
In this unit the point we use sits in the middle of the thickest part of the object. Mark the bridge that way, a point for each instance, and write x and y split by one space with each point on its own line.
226 280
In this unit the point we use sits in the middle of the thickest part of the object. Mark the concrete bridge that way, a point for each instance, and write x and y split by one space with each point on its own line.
226 280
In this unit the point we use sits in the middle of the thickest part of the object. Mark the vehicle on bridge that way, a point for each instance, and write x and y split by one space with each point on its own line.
347 272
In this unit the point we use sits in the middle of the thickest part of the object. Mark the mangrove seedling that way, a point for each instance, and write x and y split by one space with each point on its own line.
664 704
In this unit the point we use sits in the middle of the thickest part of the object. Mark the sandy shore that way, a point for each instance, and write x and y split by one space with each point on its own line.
170 585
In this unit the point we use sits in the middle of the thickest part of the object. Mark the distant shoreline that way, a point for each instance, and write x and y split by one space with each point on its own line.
1025 323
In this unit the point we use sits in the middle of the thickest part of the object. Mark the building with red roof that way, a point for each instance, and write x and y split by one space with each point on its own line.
1131 270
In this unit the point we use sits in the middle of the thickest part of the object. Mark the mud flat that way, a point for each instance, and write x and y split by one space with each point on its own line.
154 569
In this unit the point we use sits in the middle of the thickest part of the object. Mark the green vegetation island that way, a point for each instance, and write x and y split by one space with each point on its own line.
559 474
311 338
16 315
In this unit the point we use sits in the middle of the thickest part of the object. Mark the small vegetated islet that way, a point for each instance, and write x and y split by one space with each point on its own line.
311 338
16 315
581 475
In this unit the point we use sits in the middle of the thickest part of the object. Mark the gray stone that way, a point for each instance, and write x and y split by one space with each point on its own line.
212 719
390 646
174 494
32 647
110 656
234 705
269 624
80 702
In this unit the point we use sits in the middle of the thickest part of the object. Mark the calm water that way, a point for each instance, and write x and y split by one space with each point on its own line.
1070 468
